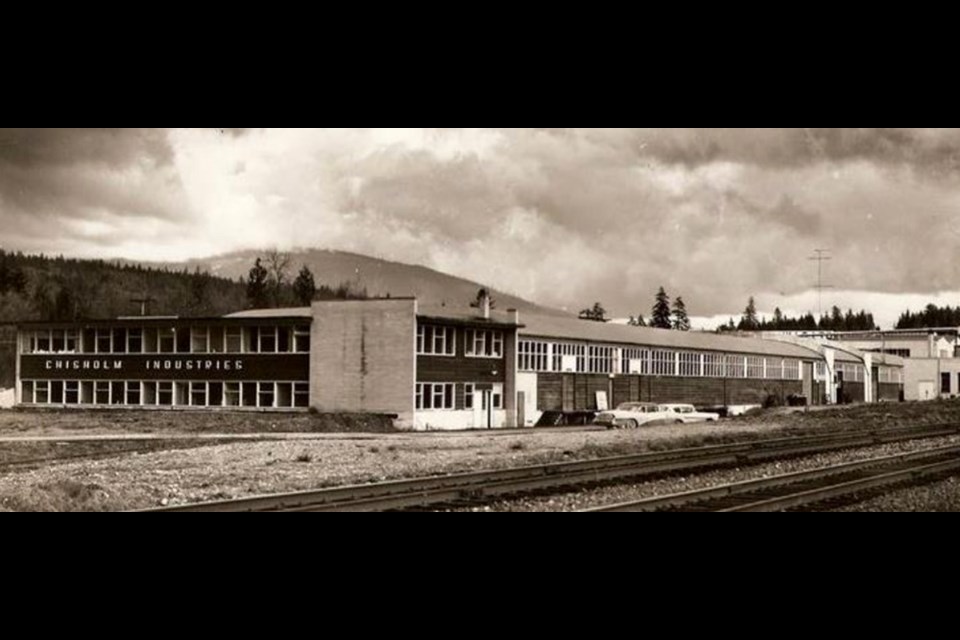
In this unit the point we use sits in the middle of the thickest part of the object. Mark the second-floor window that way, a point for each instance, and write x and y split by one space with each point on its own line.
483 343
436 341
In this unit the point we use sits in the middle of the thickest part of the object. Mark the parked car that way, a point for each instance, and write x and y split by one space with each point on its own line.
631 415
687 413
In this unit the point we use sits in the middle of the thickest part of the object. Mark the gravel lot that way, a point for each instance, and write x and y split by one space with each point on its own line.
938 496
142 480
626 493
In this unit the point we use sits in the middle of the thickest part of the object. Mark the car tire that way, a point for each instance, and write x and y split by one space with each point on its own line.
633 424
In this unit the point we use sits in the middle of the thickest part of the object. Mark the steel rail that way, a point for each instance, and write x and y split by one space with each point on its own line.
802 488
481 486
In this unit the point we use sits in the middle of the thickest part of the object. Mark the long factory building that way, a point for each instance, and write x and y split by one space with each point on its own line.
434 368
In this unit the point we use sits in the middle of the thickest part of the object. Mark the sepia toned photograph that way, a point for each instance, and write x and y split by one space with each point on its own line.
479 320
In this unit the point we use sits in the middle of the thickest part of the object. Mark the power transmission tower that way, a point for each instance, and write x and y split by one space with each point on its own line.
820 258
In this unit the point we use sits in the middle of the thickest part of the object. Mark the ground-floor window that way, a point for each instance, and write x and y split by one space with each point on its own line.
264 395
437 396
945 383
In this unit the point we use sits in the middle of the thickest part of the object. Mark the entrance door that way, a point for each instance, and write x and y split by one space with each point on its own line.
521 409
478 412
483 406
808 381
926 390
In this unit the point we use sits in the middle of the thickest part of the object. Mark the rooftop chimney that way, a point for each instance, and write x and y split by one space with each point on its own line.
514 316
485 303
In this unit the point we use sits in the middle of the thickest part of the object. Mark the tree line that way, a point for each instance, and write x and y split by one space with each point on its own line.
58 289
837 320
932 316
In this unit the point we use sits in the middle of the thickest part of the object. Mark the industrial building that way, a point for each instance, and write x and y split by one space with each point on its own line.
434 368
929 357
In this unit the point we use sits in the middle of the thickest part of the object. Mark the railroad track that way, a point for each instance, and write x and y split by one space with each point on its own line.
838 484
462 489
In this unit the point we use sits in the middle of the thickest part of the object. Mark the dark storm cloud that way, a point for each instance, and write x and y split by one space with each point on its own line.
59 147
57 177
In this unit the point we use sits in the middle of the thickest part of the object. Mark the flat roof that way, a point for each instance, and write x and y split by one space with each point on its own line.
585 330
289 312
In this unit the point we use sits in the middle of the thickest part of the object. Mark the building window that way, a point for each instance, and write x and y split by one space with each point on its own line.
119 340
165 394
436 396
754 367
57 343
945 383
71 392
301 394
199 340
267 394
436 341
234 338
231 394
167 340
133 393
713 365
104 338
43 342
570 357
135 341
198 394
56 392
468 391
635 361
663 363
301 339
532 356
481 343
791 369
600 359
42 390
268 340
26 392
101 392
690 365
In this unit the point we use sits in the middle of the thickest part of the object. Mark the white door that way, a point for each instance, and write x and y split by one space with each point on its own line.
479 415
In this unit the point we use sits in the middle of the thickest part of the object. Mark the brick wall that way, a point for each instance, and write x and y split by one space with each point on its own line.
362 357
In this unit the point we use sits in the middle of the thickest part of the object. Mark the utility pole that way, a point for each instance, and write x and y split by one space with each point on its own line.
143 302
820 258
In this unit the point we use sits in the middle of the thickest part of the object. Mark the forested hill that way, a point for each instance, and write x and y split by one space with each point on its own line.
45 288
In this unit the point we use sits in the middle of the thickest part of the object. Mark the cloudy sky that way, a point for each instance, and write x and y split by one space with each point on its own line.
564 217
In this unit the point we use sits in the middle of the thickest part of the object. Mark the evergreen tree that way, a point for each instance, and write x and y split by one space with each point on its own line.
257 292
660 318
749 320
596 314
305 287
778 321
681 322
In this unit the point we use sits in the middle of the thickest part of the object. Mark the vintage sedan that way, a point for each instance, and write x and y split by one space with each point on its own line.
631 415
687 413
